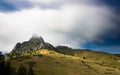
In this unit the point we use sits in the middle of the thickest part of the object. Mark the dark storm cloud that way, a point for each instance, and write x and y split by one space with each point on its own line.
13 5
5 6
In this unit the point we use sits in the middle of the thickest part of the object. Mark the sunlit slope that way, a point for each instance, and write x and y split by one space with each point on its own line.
102 58
49 62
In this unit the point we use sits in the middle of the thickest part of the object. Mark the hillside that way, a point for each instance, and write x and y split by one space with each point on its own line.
50 62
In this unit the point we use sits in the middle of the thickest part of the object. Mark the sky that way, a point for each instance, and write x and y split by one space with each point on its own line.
83 24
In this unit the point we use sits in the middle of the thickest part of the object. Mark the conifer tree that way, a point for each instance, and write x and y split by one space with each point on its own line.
22 70
30 71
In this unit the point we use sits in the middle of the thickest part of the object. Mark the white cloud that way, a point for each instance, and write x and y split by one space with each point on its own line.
41 1
60 1
71 24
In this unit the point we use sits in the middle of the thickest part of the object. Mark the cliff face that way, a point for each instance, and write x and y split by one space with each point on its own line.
35 43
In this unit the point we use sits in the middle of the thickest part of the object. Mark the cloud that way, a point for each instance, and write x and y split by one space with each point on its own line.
14 5
72 24
24 4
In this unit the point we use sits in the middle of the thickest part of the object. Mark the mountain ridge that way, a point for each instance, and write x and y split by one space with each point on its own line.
62 60
33 44
37 42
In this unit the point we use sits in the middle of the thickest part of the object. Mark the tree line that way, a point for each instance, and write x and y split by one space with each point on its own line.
6 69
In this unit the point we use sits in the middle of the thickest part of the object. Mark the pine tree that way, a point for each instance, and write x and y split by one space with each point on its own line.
22 70
30 71
8 68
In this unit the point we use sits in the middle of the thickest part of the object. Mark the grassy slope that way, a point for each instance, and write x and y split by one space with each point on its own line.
82 63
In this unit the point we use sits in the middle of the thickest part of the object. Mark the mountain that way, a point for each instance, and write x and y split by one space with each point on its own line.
35 43
44 59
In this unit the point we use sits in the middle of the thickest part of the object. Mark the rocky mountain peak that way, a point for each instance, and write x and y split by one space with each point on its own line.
35 43
34 36
37 39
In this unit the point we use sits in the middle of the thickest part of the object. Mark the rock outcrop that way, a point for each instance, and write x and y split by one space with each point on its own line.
35 43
